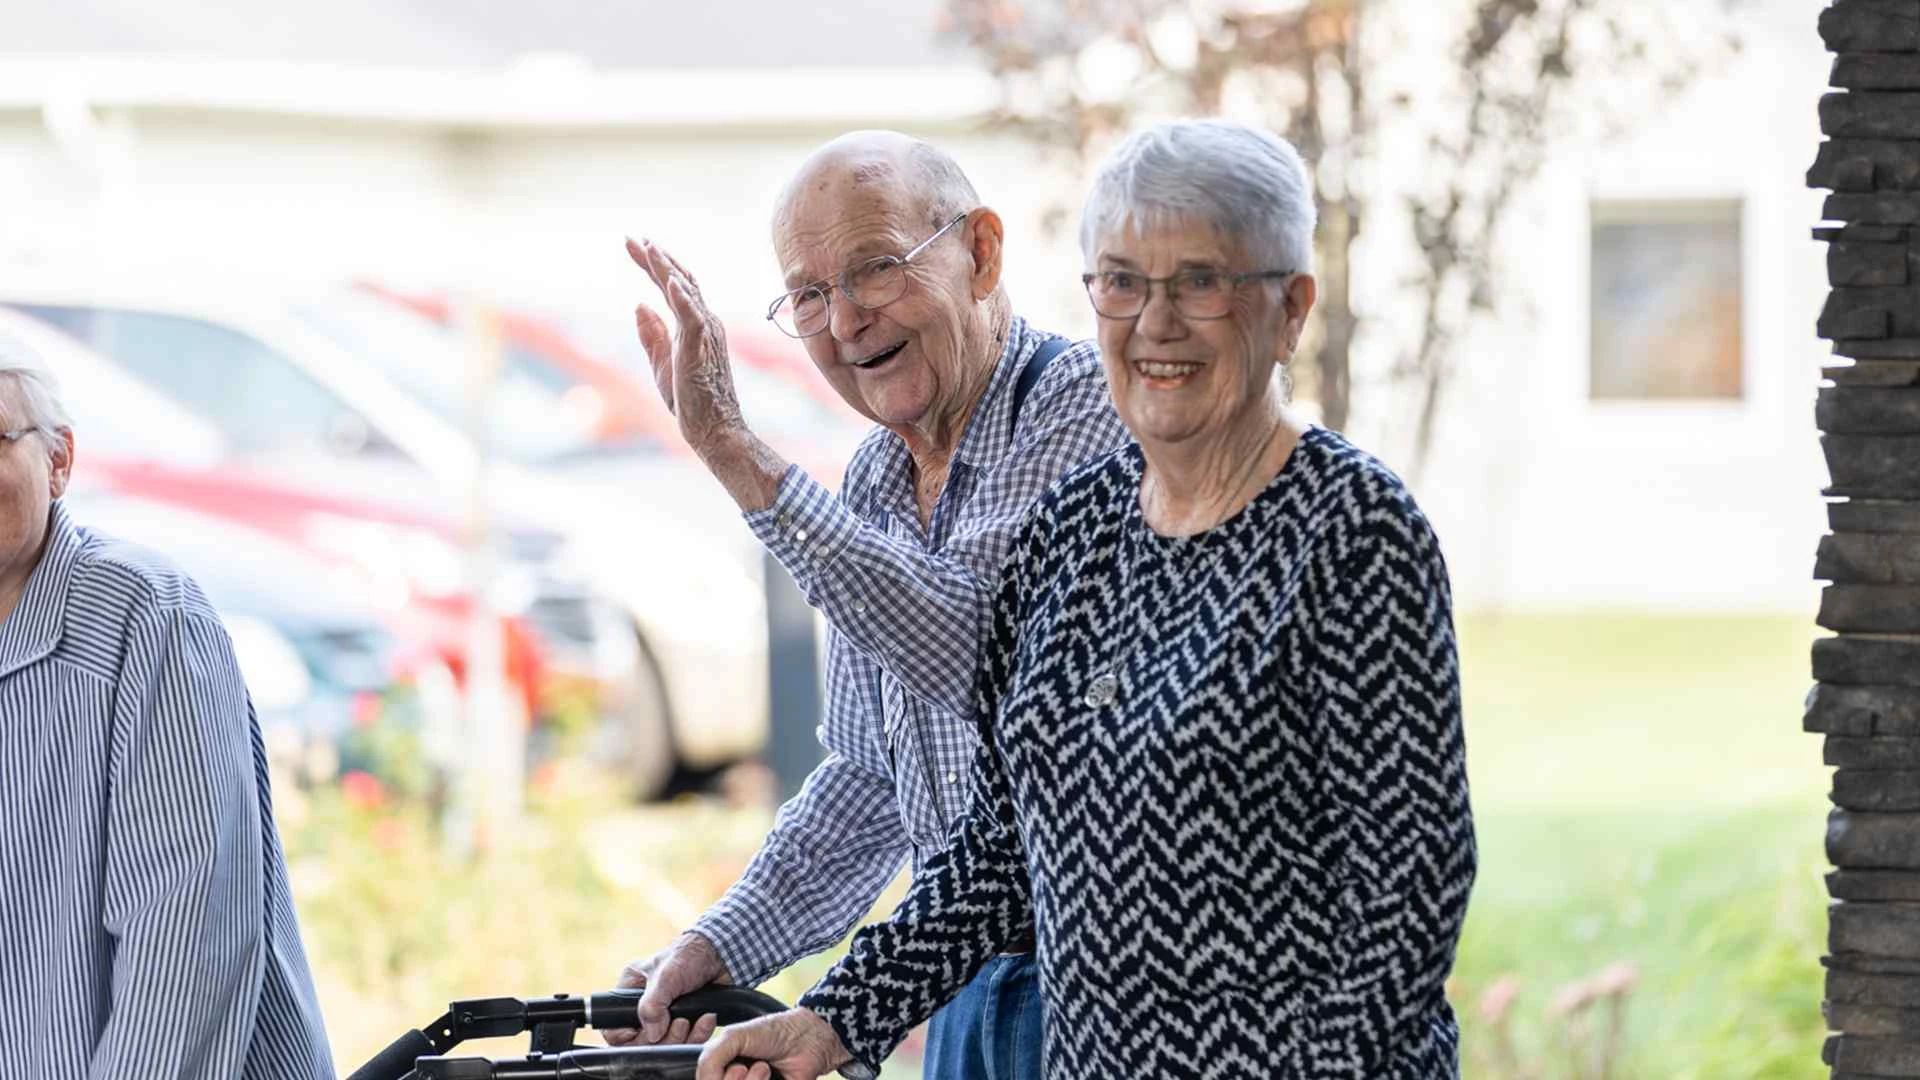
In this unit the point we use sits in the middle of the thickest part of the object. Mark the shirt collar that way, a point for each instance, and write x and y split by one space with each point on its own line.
989 433
34 628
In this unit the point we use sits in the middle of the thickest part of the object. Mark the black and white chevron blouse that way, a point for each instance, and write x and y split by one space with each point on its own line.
1224 775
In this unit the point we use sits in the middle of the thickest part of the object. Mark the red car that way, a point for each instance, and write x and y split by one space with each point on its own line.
357 537
134 443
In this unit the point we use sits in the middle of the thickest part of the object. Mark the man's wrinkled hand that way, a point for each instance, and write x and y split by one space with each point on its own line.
797 1043
688 964
690 363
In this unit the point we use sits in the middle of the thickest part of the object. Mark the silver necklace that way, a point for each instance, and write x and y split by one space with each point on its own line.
1104 688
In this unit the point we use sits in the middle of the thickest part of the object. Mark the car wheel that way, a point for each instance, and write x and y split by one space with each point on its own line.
635 733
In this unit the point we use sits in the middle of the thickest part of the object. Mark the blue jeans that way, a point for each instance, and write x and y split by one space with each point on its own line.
991 1031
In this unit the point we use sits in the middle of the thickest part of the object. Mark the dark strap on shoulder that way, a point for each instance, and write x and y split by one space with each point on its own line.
1036 367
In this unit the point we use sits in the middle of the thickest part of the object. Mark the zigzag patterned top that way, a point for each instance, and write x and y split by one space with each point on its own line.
1249 852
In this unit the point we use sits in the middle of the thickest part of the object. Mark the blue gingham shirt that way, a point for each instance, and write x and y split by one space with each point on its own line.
146 929
907 608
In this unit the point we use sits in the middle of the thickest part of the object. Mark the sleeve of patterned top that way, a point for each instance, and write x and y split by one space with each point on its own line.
1401 861
185 899
832 849
968 901
919 615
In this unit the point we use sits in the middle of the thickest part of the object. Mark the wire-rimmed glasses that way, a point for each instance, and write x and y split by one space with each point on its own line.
870 283
1200 292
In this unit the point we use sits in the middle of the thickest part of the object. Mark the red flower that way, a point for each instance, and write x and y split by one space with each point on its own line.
362 790
366 709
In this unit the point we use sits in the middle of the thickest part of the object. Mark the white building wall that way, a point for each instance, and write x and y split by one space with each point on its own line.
1549 500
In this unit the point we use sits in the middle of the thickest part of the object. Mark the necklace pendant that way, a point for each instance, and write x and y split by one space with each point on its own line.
1103 690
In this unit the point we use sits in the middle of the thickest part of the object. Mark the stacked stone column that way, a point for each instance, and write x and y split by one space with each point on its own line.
1867 699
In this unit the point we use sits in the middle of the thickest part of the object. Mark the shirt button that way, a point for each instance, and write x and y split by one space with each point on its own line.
859 607
799 534
820 733
783 519
953 778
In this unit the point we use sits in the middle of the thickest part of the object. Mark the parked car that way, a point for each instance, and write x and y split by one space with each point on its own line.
620 413
311 389
358 621
779 390
785 399
317 653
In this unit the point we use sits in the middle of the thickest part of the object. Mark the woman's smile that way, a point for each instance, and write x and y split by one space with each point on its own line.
1166 374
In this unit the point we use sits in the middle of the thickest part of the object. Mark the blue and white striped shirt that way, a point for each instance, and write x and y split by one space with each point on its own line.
907 609
146 929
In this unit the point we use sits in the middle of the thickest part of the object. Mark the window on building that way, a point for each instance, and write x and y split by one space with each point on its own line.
1666 300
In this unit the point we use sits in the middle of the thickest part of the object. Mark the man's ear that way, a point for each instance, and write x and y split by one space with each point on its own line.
62 455
985 233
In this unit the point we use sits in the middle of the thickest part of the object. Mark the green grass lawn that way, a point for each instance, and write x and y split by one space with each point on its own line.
1644 795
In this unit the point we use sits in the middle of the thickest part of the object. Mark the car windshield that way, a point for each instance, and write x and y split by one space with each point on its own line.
535 419
260 400
113 412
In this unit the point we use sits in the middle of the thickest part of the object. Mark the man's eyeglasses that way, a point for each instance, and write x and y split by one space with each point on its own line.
14 436
870 284
1199 293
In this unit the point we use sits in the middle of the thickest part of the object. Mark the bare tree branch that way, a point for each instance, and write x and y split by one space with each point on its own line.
1521 71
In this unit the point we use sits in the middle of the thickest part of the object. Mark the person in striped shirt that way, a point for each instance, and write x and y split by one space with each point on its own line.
892 269
146 929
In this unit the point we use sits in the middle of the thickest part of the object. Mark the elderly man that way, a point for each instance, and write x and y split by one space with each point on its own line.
892 270
145 924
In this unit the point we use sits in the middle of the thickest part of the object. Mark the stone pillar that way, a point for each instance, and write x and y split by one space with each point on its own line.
1867 699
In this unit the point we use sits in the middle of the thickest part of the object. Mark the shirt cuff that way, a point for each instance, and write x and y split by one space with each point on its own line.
740 940
806 528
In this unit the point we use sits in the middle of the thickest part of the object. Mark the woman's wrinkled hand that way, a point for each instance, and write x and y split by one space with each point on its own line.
794 1045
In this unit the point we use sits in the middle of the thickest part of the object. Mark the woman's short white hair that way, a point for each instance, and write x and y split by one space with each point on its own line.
1250 185
36 393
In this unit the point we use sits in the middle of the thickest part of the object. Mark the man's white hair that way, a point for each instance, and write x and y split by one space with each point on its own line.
1249 184
35 398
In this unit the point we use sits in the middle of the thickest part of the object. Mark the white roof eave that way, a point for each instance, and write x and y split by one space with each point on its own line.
528 96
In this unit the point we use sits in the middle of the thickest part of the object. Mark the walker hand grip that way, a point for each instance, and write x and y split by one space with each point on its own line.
732 1004
396 1061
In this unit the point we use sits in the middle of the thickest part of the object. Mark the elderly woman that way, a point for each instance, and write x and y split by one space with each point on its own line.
145 924
1223 766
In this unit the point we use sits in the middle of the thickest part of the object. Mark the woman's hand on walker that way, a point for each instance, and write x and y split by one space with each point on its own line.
797 1043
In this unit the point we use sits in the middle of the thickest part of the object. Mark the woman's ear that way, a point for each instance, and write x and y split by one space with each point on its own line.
1302 291
62 463
985 233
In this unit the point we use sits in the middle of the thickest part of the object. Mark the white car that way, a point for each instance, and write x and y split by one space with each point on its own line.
307 640
299 389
